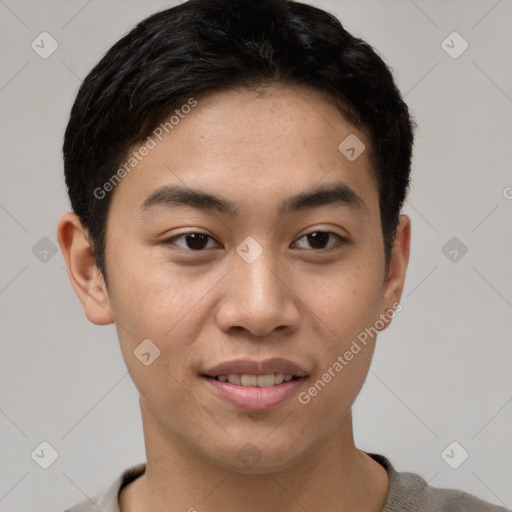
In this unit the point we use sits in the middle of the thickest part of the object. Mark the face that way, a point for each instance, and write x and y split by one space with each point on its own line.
209 284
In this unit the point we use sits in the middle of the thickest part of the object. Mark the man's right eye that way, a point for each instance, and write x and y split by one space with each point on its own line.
192 241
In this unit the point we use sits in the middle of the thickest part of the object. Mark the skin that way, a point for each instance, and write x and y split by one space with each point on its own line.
295 301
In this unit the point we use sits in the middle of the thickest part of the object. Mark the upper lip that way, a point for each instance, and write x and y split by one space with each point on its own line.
253 367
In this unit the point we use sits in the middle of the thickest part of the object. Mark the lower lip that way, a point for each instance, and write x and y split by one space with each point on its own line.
253 398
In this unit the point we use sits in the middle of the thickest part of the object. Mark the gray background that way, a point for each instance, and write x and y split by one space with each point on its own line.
441 373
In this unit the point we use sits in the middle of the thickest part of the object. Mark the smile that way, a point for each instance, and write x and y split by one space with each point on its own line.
262 381
248 392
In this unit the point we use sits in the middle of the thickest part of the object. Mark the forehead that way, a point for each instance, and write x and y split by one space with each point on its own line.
278 123
251 145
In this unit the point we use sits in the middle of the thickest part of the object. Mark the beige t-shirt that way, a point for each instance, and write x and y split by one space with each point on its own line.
407 492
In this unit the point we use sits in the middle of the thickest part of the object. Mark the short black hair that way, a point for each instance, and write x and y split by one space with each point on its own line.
204 46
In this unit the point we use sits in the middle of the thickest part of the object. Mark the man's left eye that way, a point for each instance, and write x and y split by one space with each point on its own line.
319 238
199 241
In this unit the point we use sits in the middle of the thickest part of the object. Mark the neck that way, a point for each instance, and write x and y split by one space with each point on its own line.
335 476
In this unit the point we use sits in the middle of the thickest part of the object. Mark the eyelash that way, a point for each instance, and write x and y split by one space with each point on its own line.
341 240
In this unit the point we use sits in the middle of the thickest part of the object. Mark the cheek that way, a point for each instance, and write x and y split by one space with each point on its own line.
345 306
151 298
160 307
331 393
342 302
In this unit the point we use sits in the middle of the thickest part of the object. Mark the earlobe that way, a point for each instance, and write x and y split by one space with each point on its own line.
397 269
83 273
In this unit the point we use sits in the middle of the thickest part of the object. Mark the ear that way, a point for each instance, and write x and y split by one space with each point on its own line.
398 262
86 279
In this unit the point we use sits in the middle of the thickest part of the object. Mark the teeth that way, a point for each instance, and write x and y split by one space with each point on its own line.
234 379
265 381
249 380
262 381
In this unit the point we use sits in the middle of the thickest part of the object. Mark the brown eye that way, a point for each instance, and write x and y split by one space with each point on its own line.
192 241
319 239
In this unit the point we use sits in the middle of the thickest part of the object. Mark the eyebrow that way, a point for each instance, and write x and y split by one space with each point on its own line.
170 196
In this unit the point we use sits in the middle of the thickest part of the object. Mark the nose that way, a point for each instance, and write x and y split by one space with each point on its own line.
259 297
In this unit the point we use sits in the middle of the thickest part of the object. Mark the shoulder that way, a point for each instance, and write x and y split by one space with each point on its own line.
108 501
410 492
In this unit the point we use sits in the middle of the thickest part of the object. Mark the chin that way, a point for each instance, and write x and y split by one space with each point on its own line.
262 459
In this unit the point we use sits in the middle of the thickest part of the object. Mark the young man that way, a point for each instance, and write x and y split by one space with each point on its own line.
236 171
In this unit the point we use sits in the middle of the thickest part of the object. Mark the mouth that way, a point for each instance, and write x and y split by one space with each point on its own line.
248 380
253 385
